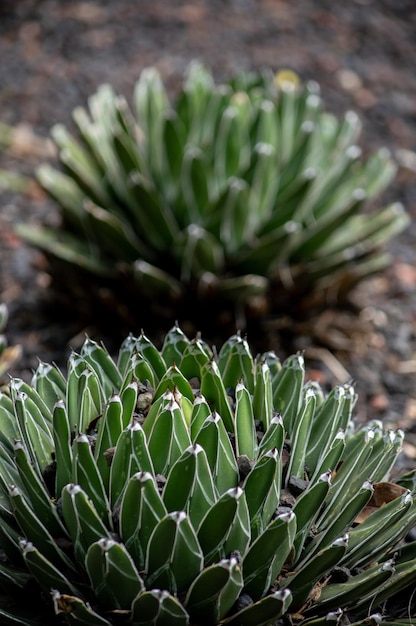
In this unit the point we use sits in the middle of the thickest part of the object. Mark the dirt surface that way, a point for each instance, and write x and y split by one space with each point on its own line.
53 55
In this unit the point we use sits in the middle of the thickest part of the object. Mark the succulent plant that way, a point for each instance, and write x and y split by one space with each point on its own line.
246 191
181 486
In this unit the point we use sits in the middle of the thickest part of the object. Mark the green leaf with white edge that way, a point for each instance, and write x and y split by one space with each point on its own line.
49 383
35 431
158 608
267 555
263 612
130 401
245 432
369 540
174 346
103 365
76 611
214 591
262 490
215 441
154 281
150 353
343 521
239 365
90 399
36 532
138 369
174 379
109 430
141 509
263 397
198 251
354 591
189 486
307 508
217 524
82 520
273 438
86 474
174 557
200 411
113 575
131 455
194 182
36 491
168 437
332 416
303 580
45 572
300 437
126 352
213 390
287 389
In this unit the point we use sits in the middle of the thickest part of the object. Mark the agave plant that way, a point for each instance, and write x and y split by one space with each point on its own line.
246 191
177 487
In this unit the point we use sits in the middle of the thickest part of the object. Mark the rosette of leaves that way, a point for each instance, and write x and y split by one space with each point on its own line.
248 192
178 487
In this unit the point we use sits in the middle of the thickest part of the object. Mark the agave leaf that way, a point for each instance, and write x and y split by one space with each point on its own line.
63 190
262 490
36 491
287 386
173 139
82 520
214 591
246 438
48 575
273 438
267 555
9 429
328 532
213 438
300 437
151 104
131 455
215 527
138 369
354 591
330 457
76 611
35 431
239 365
213 390
90 399
262 612
174 380
332 416
307 509
158 608
369 540
303 581
87 475
198 251
62 445
174 345
262 397
194 357
403 576
66 247
49 383
103 365
189 486
200 411
195 183
174 557
141 509
168 437
149 352
109 430
113 574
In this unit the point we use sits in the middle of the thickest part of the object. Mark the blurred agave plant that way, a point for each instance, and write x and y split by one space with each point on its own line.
246 191
175 488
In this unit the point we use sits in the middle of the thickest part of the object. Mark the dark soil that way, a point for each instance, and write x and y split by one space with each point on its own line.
53 55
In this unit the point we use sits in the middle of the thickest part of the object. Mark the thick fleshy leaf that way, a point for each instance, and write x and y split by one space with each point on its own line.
113 575
263 612
158 608
76 611
174 557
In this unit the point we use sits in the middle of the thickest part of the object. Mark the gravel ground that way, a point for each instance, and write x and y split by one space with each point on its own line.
53 55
